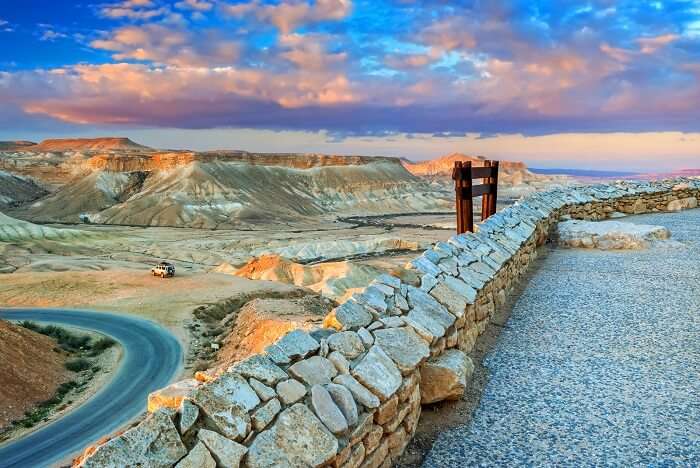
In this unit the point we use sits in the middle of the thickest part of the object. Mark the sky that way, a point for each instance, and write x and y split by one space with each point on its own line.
597 84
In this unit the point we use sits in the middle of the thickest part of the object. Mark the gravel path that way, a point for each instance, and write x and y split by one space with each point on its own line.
598 365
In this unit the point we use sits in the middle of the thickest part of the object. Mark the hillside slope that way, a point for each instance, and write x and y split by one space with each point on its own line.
15 189
30 371
225 189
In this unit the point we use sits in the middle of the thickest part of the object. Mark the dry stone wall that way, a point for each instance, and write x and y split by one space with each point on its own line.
350 394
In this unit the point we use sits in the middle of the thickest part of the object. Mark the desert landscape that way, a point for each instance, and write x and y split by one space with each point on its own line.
349 234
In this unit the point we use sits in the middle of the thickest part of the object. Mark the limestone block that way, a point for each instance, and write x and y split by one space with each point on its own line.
264 415
297 344
172 395
344 400
348 343
378 373
199 457
327 411
386 411
297 438
259 367
403 346
226 452
361 394
189 412
314 370
290 391
154 443
445 377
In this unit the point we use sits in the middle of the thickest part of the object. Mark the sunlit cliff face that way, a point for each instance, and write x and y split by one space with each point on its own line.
362 68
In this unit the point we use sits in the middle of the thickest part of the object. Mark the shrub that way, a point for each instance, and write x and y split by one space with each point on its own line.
78 365
102 344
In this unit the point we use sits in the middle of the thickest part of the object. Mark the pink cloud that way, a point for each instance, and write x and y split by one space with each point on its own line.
290 15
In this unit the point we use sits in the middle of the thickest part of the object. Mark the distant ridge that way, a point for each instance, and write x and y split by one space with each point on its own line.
87 144
443 166
15 145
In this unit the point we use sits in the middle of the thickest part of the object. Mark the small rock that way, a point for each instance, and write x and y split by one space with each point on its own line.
351 315
154 442
264 415
298 438
264 392
403 346
199 457
361 394
366 337
259 367
347 343
314 370
226 453
327 411
378 372
290 391
341 364
344 400
189 412
444 377
172 395
297 344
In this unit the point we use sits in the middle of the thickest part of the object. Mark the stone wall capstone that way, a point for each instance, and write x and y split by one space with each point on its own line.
350 394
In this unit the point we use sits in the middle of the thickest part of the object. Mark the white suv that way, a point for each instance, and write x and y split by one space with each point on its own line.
163 269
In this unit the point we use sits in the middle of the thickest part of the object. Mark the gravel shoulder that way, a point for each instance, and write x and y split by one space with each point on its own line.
597 364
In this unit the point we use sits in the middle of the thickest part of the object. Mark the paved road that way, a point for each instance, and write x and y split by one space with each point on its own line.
598 365
151 358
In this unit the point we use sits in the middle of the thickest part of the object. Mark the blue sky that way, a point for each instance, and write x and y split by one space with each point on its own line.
344 72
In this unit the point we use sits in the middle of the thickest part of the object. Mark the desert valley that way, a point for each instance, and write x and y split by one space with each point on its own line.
262 243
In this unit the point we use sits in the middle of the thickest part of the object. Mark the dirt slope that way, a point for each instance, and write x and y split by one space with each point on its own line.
336 280
16 189
30 371
15 145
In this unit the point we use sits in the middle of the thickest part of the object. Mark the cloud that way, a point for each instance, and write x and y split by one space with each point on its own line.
169 45
134 10
51 35
649 45
199 5
372 67
292 14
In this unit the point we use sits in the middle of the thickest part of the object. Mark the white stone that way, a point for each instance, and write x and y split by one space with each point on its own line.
199 457
226 453
314 370
290 391
297 438
153 443
327 411
358 391
607 235
377 372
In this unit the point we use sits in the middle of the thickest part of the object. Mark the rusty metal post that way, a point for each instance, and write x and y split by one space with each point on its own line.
486 198
494 195
457 177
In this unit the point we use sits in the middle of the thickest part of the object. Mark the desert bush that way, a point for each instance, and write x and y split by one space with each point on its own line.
102 344
78 365
66 340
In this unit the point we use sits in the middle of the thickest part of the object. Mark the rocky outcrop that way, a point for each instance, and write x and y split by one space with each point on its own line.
350 394
609 235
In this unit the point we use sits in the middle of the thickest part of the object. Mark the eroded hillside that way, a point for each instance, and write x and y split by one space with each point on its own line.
211 190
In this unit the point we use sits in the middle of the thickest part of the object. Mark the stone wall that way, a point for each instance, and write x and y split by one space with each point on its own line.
350 394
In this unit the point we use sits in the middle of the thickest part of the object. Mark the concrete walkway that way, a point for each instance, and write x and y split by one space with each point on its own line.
599 364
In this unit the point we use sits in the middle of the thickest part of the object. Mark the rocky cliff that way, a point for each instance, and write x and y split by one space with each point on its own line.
85 144
223 188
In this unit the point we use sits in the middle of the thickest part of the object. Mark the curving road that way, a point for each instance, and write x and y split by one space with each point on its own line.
151 358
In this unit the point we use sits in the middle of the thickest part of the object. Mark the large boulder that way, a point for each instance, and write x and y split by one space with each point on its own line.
607 235
297 438
445 377
682 204
154 443
172 395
